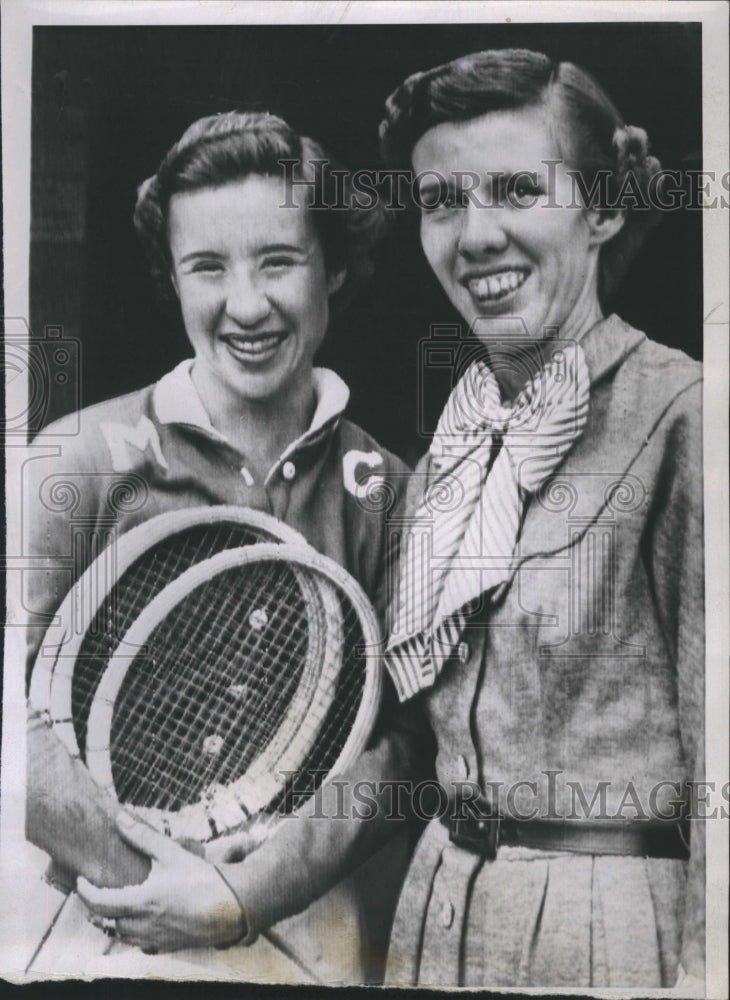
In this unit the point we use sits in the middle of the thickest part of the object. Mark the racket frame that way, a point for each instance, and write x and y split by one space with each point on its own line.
250 794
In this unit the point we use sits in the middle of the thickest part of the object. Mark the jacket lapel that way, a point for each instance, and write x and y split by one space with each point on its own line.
597 465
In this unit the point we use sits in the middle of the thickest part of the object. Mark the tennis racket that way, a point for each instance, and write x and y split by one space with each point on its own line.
196 701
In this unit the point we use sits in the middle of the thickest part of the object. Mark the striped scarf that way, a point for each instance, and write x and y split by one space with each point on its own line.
487 458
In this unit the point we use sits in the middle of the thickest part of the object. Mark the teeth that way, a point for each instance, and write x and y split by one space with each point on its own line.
254 345
496 285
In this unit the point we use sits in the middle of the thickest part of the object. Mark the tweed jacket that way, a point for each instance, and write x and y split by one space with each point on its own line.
580 692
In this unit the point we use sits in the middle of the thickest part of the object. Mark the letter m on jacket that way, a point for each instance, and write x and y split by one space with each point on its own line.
127 443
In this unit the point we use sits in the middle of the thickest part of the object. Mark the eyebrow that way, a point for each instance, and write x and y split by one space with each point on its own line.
283 247
198 253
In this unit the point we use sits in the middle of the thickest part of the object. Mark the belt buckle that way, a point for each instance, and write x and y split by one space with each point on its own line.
479 831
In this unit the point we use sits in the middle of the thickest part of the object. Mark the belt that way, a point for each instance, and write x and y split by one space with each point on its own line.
483 834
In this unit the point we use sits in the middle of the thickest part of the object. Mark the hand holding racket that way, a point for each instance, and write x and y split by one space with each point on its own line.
184 903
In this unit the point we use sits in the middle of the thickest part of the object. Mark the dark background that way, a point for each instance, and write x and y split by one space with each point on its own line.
108 103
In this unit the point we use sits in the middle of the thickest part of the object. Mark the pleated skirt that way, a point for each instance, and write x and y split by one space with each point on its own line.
536 918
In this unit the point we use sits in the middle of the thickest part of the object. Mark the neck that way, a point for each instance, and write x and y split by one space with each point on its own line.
260 429
513 377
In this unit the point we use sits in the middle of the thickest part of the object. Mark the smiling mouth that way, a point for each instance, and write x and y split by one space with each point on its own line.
254 346
496 285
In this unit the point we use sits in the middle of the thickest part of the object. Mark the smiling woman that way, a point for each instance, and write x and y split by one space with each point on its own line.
248 421
560 647
523 255
253 289
233 239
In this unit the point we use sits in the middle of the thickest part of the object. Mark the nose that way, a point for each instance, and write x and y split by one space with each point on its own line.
247 303
482 232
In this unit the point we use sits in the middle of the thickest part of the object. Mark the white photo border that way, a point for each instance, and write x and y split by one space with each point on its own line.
19 17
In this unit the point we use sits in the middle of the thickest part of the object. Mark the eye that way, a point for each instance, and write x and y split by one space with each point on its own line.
526 190
442 200
455 199
278 262
205 266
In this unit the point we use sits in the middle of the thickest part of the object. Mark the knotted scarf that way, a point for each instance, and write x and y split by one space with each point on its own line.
486 459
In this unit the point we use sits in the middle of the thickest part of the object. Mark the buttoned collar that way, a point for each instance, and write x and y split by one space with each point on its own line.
175 400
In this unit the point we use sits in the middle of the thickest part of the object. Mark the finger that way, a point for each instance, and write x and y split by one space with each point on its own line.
128 902
191 846
140 935
231 849
142 837
131 930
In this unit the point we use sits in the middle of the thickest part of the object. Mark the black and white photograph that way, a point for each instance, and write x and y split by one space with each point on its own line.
366 426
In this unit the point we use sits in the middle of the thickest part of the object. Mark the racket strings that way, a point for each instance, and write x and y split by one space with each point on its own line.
172 773
233 695
151 572
300 674
210 695
134 590
330 732
179 709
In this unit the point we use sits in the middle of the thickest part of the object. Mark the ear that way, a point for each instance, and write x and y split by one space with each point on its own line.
173 279
336 280
604 225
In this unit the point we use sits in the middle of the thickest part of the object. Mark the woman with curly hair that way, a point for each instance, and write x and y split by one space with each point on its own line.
238 246
558 648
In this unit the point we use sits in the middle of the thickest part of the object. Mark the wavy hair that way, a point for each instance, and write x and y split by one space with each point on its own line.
590 133
222 149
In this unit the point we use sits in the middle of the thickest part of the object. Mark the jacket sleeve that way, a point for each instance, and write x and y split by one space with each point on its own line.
344 824
677 563
67 814
51 496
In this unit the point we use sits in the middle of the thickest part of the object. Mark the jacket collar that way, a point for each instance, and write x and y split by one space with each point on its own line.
176 401
607 345
583 487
